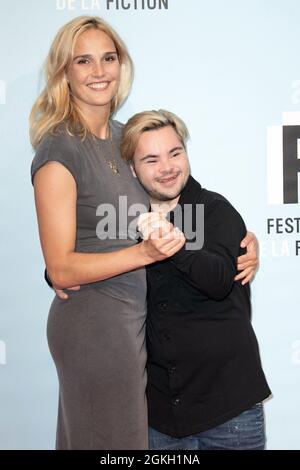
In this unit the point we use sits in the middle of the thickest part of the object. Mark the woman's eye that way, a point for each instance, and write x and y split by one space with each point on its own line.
111 58
83 61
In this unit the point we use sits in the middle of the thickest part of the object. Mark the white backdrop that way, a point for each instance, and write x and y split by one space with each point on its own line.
230 70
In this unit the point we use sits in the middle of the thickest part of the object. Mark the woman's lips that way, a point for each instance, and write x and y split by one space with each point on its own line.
99 86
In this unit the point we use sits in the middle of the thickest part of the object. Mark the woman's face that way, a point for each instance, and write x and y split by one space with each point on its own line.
94 74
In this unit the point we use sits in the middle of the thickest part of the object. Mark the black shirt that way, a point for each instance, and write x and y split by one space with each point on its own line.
203 360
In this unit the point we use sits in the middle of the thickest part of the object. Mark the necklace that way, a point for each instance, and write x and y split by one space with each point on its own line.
112 162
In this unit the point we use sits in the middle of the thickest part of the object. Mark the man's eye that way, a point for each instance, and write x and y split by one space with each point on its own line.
151 161
175 154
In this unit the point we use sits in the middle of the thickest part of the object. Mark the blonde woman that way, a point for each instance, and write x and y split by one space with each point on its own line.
97 337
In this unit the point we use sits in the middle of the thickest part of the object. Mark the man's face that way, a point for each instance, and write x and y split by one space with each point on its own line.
161 163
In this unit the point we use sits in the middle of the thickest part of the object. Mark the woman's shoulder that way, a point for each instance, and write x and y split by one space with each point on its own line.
56 146
117 124
57 141
117 127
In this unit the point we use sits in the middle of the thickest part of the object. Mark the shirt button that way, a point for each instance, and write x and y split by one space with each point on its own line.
166 336
163 306
176 401
172 370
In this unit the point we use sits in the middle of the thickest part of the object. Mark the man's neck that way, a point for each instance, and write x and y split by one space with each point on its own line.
163 206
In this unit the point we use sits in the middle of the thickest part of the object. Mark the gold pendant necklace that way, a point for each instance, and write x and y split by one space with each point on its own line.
111 163
113 167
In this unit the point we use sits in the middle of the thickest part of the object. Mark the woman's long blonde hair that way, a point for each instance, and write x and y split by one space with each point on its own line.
55 104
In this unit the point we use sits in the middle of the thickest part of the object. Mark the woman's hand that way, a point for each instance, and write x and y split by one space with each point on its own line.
160 238
152 221
248 263
161 244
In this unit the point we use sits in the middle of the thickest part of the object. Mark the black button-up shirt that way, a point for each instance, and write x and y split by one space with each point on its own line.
203 360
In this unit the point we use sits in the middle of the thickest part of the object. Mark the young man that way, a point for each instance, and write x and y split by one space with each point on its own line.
203 366
205 381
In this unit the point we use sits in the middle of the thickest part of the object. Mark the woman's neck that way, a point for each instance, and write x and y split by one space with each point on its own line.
97 119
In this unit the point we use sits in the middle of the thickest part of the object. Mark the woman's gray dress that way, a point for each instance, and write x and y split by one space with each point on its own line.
97 337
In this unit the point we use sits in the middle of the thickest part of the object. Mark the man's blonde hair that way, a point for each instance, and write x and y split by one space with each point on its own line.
55 104
149 121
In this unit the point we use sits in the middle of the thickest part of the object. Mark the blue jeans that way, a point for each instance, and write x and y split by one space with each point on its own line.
244 432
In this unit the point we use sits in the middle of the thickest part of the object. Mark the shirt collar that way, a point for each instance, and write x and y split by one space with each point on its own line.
190 192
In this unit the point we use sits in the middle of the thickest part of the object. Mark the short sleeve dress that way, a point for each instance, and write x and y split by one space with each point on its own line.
97 336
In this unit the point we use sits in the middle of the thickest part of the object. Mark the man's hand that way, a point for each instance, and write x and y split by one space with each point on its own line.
161 245
62 294
248 263
151 222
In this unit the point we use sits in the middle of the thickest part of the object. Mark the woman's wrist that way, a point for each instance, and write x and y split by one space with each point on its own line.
143 254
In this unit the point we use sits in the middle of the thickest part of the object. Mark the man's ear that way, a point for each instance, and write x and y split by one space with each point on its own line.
132 170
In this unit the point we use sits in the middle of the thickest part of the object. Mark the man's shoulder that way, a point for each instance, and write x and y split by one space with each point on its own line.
212 197
216 206
205 196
